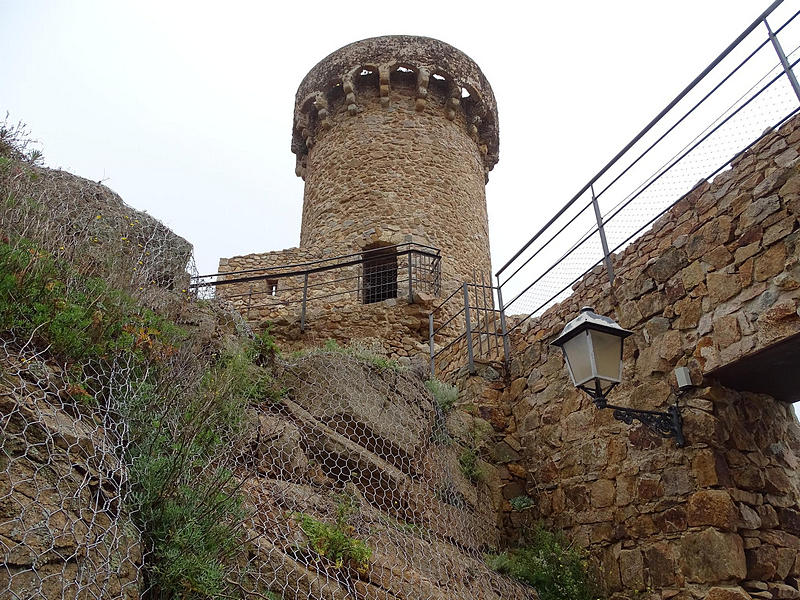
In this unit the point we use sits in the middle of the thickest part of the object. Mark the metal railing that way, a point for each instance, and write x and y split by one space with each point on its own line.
748 88
366 277
469 323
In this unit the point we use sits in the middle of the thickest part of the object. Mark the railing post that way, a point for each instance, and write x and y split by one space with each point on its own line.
469 329
303 309
601 229
430 344
410 286
503 324
784 61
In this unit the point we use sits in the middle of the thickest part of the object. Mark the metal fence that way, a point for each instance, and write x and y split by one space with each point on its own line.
374 275
471 327
749 88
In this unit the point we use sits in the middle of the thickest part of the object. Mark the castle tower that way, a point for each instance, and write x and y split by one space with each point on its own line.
395 137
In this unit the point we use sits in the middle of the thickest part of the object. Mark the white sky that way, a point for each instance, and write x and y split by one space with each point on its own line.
185 108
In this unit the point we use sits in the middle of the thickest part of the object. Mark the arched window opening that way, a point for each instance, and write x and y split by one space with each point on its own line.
438 88
367 79
379 274
403 77
335 95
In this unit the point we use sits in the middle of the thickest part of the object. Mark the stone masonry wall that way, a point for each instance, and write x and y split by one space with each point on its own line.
395 172
254 299
717 278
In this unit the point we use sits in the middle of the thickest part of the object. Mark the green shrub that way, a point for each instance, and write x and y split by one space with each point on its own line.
364 354
468 463
179 413
189 510
79 318
445 395
520 503
334 542
549 563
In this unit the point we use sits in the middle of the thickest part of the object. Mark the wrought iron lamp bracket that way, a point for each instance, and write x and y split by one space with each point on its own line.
665 424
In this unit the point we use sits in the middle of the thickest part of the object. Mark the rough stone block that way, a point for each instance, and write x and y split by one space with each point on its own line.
782 591
694 274
722 286
631 569
689 311
710 556
727 593
726 330
712 507
761 562
666 265
770 263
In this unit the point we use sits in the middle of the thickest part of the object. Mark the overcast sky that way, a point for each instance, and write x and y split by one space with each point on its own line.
185 108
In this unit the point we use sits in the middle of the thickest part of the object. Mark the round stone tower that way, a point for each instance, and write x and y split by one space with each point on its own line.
395 137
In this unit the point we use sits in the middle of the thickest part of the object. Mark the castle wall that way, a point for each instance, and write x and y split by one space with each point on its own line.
716 279
276 297
334 307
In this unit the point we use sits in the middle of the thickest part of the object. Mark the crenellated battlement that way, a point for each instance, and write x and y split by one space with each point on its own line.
428 73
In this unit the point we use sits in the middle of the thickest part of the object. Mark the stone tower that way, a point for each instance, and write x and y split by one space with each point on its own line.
395 137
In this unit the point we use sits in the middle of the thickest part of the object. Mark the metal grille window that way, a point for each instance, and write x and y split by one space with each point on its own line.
380 274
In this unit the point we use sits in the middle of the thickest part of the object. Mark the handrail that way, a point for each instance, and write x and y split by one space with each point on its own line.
436 253
645 130
266 273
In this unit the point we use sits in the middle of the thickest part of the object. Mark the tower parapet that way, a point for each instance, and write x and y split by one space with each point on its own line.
437 72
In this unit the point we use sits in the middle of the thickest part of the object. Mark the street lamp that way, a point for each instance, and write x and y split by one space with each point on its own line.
592 347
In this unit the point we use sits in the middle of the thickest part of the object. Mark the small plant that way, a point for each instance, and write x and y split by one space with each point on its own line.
468 463
332 346
446 492
334 542
549 563
263 348
444 394
363 354
440 435
520 503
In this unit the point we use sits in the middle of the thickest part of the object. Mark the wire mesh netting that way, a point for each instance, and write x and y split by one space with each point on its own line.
153 447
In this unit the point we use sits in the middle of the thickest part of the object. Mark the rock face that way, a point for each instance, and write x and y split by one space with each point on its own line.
356 439
716 279
63 528
394 137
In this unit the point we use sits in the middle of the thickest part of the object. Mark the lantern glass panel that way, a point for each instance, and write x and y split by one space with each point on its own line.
607 350
577 352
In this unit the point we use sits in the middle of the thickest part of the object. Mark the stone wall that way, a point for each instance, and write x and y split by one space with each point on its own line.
394 328
717 278
395 171
258 301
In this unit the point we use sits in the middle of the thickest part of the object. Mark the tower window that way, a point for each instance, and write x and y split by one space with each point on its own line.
272 287
379 267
